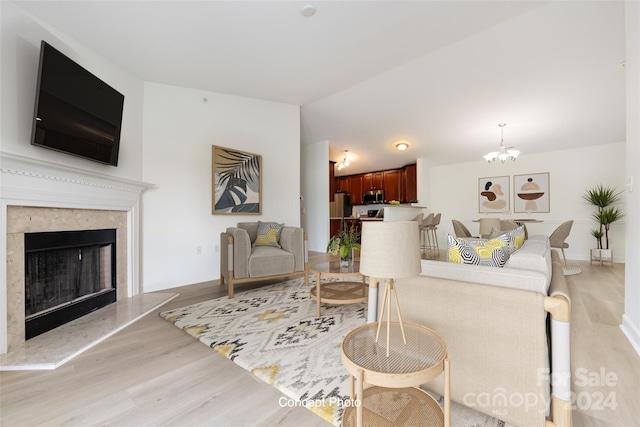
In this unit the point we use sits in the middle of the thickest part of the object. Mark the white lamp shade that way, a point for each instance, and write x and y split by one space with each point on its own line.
390 249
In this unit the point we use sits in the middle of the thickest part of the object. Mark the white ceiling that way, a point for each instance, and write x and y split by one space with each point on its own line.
439 74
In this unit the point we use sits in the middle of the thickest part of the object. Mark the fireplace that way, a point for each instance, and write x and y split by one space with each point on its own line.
39 196
68 274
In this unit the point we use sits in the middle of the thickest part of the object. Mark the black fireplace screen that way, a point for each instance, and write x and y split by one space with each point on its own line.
57 277
67 275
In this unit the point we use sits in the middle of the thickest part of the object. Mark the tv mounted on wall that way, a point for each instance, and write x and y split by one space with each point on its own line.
75 111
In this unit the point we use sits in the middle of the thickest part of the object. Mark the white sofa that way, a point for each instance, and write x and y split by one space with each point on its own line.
501 341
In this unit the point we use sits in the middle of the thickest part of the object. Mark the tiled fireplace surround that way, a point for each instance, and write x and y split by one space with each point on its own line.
38 196
27 219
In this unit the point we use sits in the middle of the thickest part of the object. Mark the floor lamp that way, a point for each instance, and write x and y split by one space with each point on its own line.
390 250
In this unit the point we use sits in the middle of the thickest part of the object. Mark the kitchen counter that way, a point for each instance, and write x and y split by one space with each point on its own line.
402 212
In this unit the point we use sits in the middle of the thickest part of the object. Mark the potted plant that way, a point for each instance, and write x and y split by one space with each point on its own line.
344 243
603 197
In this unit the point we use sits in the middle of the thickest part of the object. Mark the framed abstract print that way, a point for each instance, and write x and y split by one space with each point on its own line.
493 194
237 182
531 193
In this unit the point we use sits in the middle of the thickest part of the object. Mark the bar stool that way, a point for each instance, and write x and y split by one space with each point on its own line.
424 231
433 228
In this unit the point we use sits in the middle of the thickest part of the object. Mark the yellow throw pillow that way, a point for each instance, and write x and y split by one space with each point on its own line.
268 234
517 237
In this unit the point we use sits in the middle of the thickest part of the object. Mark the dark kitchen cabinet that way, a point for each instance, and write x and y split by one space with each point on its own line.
398 184
343 184
356 188
367 181
391 185
372 180
409 184
378 180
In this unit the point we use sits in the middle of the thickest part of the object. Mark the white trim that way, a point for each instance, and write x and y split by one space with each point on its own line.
631 332
21 165
36 183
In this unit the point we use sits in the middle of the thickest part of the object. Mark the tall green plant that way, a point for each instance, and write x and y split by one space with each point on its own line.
602 197
598 235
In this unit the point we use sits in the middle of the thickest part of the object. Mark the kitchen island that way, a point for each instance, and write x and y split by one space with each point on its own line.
404 212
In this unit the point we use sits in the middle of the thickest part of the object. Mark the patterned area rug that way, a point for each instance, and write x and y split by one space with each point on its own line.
273 333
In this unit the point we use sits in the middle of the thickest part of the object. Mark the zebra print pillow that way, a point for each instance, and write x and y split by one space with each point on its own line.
492 253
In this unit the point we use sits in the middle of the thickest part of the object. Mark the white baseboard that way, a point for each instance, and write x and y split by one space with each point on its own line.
632 332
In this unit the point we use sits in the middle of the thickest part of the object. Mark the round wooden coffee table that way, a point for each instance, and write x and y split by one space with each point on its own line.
339 292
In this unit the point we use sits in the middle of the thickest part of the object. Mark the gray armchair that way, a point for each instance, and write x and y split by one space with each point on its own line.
240 262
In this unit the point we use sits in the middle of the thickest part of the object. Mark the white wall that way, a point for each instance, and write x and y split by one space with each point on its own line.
180 126
315 194
423 183
34 176
453 190
631 317
20 52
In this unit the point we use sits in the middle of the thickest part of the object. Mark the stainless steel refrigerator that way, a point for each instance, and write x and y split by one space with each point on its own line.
342 204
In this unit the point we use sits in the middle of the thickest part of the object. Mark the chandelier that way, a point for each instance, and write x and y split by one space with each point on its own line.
344 162
503 154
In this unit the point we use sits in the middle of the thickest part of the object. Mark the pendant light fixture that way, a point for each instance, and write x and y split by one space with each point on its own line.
503 154
345 161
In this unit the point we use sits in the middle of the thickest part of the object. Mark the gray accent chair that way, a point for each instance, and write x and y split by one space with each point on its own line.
242 263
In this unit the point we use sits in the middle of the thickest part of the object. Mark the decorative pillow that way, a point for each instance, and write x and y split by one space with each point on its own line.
493 253
268 234
516 237
495 233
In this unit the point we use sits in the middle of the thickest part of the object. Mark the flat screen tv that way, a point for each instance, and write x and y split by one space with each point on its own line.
75 111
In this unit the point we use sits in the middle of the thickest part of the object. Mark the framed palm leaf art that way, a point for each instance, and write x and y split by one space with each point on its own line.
237 182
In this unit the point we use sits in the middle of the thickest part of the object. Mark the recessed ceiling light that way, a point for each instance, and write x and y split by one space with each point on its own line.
401 146
308 10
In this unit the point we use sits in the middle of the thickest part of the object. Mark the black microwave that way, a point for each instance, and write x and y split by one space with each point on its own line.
371 197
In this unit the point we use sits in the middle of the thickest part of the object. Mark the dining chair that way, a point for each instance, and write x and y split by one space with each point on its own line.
506 225
558 237
487 224
460 230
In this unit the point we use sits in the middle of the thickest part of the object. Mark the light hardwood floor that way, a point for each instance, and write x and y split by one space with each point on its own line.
151 373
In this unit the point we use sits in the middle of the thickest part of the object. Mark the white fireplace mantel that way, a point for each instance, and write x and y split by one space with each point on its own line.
31 182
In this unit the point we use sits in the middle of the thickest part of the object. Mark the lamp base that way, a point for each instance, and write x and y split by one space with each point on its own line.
386 306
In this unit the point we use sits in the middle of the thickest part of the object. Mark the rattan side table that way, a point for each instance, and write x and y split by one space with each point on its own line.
341 292
419 361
